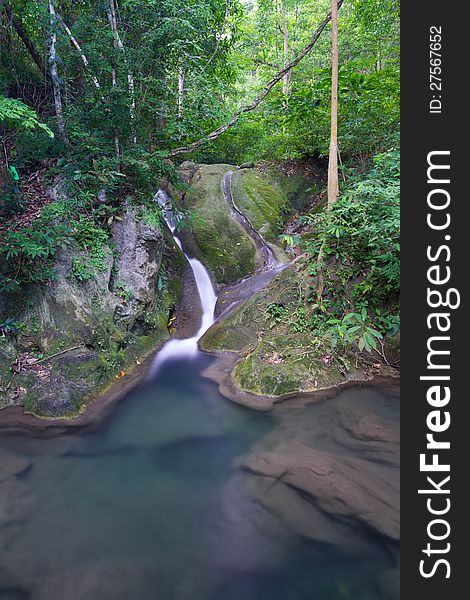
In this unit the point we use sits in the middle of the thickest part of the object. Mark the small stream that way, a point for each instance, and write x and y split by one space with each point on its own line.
179 348
149 503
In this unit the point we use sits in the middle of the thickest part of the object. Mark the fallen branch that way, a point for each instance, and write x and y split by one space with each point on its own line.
267 88
58 354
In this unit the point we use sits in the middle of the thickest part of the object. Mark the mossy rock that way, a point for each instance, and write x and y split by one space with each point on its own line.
276 357
223 245
262 203
299 188
285 364
112 333
241 330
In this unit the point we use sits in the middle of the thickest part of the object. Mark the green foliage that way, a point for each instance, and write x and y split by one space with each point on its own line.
290 239
298 124
276 313
15 114
80 269
124 293
26 255
12 201
360 241
353 328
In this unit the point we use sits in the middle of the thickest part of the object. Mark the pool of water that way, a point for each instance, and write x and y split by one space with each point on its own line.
130 508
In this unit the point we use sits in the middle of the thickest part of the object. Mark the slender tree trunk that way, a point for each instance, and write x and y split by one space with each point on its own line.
37 58
77 46
285 35
54 73
181 81
333 184
130 75
112 21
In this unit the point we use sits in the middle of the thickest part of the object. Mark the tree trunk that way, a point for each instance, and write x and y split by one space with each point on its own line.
130 75
181 80
113 23
285 35
333 184
26 41
77 46
54 73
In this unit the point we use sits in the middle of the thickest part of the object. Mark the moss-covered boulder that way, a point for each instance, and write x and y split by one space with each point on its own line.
222 244
278 355
80 334
285 364
302 181
263 203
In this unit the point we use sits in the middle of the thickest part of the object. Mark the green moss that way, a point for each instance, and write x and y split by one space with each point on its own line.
240 331
284 364
299 189
277 357
224 246
262 203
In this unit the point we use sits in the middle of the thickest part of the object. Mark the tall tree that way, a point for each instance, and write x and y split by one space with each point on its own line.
54 72
15 21
333 184
285 35
112 18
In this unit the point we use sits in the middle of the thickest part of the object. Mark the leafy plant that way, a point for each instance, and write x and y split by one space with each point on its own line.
124 293
289 239
79 269
276 313
18 115
353 328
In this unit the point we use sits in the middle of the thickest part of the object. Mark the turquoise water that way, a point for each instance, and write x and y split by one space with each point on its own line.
146 505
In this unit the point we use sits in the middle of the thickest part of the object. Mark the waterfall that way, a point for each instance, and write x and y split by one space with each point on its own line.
180 348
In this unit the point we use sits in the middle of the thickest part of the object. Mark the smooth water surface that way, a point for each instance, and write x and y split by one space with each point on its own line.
131 508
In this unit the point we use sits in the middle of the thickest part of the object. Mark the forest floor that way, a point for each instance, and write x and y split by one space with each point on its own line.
34 196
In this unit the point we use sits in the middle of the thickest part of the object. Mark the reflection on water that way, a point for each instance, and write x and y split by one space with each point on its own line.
147 505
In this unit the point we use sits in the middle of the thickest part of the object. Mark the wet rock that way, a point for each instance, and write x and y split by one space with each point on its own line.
140 252
98 326
343 487
217 239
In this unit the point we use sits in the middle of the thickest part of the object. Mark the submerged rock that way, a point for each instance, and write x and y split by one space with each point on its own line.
300 485
11 465
340 486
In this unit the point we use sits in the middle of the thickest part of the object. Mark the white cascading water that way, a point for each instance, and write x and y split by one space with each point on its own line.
186 348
